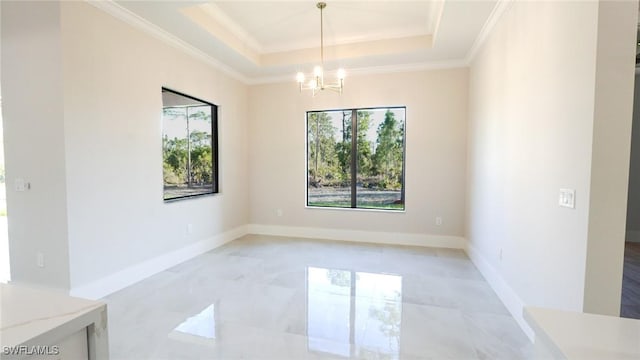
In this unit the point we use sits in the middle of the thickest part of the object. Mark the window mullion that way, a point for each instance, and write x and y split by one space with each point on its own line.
188 151
354 156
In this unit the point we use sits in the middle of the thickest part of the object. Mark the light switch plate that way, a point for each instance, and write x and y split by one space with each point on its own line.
567 198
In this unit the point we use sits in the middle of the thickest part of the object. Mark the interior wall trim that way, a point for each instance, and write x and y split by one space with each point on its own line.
133 274
373 70
509 297
487 29
376 237
121 13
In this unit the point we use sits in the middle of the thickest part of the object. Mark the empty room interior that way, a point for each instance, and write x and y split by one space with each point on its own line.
435 179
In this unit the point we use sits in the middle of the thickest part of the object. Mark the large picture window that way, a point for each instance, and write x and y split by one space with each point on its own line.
367 173
189 146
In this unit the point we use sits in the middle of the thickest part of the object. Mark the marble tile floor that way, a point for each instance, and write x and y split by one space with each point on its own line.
263 297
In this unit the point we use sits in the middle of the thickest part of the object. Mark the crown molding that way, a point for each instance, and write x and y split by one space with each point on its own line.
223 19
312 43
491 22
138 22
438 19
130 18
372 70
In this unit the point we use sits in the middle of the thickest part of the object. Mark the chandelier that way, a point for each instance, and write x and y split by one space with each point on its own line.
316 83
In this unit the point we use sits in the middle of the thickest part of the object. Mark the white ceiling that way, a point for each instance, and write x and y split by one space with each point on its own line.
262 41
295 25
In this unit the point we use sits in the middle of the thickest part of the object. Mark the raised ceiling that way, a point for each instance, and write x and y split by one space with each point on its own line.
263 41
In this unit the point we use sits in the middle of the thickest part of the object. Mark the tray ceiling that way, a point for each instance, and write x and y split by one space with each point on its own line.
264 41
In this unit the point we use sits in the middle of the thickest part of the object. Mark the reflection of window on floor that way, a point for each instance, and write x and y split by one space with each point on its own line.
353 313
200 328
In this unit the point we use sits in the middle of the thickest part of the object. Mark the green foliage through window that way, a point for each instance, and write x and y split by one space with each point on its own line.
188 146
375 179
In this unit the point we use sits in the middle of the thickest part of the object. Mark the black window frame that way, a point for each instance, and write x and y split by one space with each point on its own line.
354 159
215 187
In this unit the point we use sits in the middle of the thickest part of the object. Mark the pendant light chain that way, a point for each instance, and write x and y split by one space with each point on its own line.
322 6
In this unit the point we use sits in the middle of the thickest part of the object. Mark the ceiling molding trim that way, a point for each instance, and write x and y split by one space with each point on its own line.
438 19
201 17
223 19
341 53
119 12
434 65
488 26
313 43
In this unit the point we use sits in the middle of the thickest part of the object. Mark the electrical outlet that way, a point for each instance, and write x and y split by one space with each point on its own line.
40 259
438 220
279 212
189 229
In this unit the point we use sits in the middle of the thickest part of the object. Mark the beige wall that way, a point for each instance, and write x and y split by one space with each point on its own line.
88 122
436 104
613 115
537 124
113 77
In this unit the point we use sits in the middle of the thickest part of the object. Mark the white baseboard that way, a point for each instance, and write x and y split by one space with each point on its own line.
511 300
123 278
377 237
632 236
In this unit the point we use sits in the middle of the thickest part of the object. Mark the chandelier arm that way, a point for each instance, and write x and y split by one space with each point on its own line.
317 84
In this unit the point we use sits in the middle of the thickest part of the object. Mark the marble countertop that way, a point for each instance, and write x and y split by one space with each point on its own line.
574 335
39 317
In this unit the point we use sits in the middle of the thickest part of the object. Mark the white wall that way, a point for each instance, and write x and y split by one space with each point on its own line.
436 102
32 91
532 117
106 132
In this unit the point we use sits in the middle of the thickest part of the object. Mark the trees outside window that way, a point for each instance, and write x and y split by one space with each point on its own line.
189 146
367 173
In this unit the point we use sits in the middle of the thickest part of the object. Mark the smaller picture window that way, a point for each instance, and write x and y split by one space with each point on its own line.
189 146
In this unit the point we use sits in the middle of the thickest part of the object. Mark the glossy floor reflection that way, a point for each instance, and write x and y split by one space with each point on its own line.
352 314
280 298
